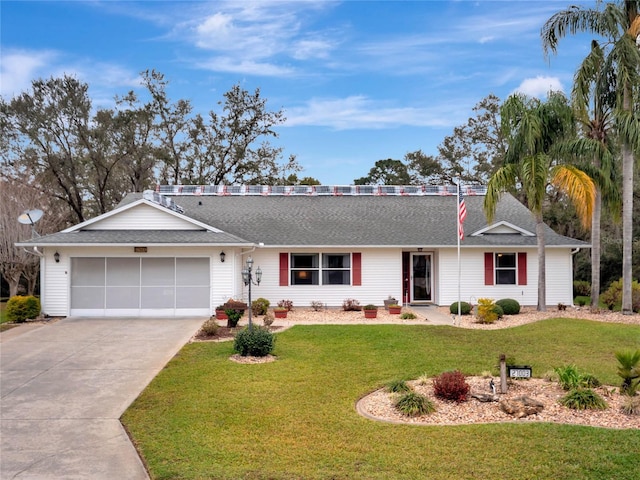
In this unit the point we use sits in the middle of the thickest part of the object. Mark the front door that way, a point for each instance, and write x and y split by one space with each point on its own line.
421 281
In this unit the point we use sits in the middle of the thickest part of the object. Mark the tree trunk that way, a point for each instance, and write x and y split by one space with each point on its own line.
627 213
542 275
595 250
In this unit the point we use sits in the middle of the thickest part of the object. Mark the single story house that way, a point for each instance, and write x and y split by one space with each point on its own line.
180 250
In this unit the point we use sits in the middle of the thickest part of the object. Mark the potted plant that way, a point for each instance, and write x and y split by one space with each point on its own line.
280 312
220 313
395 309
390 301
370 311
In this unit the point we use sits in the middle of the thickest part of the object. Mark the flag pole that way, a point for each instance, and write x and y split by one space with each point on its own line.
458 237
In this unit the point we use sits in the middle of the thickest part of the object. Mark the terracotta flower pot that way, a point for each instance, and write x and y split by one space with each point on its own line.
220 315
395 310
280 313
370 313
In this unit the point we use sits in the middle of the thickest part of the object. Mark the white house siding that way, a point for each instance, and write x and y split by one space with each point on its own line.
57 276
143 217
559 270
381 276
559 266
472 277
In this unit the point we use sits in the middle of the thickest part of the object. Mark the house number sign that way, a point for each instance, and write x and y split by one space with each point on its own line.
517 371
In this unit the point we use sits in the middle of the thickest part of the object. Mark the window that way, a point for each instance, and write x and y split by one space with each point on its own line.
505 268
307 269
336 269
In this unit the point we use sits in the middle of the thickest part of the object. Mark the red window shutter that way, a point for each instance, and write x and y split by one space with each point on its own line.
356 269
522 268
284 269
488 268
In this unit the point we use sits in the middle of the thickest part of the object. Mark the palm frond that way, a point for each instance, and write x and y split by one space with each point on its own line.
580 189
502 180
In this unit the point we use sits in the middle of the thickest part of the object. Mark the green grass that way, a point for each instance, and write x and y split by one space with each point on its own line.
206 417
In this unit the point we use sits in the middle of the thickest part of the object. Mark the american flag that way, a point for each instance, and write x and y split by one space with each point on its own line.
462 213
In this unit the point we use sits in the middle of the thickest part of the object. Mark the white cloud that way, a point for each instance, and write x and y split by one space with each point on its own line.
247 67
19 67
540 86
358 111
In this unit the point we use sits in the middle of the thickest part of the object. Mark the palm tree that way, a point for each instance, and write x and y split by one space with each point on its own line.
619 25
593 99
534 130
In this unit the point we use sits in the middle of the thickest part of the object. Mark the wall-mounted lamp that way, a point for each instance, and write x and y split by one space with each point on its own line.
56 257
222 255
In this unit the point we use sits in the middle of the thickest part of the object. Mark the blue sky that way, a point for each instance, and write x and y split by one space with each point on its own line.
359 81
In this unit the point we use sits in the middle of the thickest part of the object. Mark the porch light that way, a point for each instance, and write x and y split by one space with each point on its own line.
222 255
56 257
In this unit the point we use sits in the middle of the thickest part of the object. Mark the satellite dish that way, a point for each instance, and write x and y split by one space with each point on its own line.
30 217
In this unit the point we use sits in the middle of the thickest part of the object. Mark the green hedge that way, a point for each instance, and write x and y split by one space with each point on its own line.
22 308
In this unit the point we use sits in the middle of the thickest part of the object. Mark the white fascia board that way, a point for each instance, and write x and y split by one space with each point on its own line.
142 201
521 231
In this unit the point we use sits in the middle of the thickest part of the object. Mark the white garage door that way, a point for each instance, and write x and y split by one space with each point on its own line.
147 286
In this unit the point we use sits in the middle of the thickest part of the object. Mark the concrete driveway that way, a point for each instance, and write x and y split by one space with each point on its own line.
64 386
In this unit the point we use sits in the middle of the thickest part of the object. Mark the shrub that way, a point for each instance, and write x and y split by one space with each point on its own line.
369 306
397 386
408 316
210 327
287 304
487 311
570 378
581 288
317 305
260 306
22 308
612 297
498 311
451 386
509 306
233 316
413 404
268 319
351 305
256 342
583 399
629 371
465 308
631 406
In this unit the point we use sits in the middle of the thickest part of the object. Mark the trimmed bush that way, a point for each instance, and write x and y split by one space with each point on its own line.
233 317
465 308
451 386
509 306
22 308
583 399
497 309
397 386
255 342
413 405
260 306
581 288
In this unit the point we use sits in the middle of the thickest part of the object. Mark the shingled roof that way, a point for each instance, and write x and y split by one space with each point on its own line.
329 220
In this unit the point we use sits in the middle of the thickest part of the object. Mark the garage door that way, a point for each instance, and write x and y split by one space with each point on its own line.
148 286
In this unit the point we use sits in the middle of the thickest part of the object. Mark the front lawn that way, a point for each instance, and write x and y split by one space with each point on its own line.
207 417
